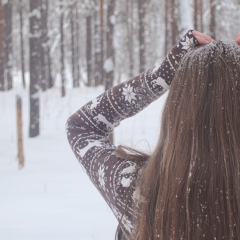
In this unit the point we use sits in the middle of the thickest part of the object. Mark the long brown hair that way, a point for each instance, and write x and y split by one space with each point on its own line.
191 183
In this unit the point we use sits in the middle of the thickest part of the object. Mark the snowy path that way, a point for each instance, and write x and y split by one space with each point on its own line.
52 198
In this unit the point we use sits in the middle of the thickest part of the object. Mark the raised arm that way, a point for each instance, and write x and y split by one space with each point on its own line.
89 127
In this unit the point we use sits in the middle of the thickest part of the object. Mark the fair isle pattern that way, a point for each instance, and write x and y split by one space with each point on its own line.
89 127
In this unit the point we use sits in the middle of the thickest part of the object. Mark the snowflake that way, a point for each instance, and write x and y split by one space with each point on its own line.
137 197
127 224
129 94
187 43
116 212
101 177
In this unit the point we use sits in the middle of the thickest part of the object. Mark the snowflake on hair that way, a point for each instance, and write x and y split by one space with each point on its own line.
129 94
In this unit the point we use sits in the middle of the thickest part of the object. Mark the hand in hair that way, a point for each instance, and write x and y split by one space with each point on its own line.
237 39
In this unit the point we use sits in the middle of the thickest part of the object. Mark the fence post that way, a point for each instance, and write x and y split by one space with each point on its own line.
19 132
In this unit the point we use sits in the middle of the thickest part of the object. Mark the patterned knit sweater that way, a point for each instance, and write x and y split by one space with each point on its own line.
88 130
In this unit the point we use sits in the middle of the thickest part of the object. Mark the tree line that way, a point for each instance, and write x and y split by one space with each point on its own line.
97 42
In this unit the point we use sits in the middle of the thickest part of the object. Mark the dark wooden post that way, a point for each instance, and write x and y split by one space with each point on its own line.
21 160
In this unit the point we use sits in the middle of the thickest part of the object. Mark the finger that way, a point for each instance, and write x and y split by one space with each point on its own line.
196 33
238 35
201 34
202 40
237 39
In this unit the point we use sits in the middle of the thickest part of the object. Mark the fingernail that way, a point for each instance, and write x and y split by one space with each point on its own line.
207 41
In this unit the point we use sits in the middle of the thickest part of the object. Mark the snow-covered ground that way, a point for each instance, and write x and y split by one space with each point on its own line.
51 198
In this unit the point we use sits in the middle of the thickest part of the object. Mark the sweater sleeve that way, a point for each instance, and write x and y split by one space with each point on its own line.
88 130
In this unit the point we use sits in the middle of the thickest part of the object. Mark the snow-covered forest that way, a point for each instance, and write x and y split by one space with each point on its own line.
55 55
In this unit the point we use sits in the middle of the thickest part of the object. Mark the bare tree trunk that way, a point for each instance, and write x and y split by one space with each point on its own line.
130 36
73 43
77 49
141 16
7 8
201 15
63 90
110 53
110 61
35 62
44 59
19 132
102 38
97 45
183 19
213 18
22 44
167 28
173 22
90 80
48 57
195 14
198 15
2 79
46 75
